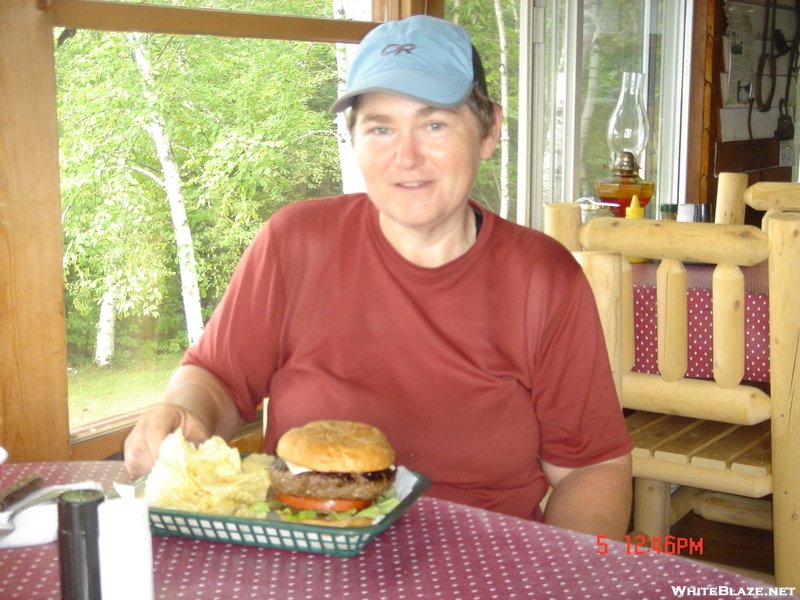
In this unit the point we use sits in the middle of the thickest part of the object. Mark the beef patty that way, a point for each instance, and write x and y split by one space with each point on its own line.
314 484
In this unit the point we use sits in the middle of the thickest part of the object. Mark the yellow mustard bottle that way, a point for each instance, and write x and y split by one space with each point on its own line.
635 211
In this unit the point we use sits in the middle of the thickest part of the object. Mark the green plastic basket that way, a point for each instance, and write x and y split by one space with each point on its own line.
336 541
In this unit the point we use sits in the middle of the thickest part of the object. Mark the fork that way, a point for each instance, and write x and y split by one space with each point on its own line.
7 527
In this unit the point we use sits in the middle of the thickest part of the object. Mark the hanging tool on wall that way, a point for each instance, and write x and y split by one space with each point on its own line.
768 57
785 130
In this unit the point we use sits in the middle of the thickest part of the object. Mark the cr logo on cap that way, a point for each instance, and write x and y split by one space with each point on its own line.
397 49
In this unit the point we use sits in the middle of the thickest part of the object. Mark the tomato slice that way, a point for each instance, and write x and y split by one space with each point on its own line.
331 505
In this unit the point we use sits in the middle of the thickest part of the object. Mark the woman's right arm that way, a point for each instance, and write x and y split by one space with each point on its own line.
197 402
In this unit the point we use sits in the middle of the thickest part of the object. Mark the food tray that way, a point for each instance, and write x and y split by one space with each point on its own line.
336 541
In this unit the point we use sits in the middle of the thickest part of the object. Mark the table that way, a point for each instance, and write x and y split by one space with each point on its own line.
698 283
438 549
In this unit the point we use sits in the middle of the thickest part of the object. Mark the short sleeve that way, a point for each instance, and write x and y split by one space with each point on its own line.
575 397
241 341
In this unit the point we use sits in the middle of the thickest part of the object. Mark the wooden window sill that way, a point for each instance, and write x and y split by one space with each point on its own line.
104 439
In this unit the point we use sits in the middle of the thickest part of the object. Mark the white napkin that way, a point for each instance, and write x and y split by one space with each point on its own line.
126 549
38 524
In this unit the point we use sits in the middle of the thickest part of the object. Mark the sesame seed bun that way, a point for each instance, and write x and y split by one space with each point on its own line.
337 447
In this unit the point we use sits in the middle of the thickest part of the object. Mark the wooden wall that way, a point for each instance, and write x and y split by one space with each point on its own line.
391 10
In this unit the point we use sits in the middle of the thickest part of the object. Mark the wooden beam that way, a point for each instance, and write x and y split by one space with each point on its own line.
742 245
385 10
697 398
33 355
736 510
148 18
433 8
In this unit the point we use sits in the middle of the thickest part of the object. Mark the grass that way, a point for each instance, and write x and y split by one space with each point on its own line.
97 393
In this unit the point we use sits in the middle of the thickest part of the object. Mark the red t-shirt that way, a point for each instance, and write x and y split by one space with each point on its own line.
473 370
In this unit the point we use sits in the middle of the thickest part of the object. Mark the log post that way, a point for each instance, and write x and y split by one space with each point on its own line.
561 221
730 198
784 287
672 315
603 270
628 322
34 415
728 325
651 511
767 216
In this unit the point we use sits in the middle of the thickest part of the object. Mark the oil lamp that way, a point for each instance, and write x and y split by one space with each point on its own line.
628 132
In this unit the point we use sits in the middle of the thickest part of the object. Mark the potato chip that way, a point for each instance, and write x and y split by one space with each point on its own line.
211 478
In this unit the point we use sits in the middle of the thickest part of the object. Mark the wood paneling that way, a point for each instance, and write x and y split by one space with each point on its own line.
33 364
701 82
746 155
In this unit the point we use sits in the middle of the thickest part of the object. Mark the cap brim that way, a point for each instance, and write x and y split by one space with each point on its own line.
431 89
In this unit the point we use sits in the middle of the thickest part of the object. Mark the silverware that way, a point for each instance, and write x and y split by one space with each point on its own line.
20 489
7 526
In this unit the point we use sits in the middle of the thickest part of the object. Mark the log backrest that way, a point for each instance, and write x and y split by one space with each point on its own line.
730 247
773 198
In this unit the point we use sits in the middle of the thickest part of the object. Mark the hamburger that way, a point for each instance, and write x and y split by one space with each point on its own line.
332 472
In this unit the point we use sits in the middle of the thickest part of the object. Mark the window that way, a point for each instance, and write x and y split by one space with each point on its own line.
174 151
494 27
578 60
562 85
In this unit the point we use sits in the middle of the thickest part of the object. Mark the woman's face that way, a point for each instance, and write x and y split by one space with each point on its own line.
418 162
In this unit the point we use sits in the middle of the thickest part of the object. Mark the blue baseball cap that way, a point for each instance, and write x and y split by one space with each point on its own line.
421 58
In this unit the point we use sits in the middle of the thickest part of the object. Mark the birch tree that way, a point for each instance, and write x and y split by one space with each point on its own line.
592 62
172 184
504 150
106 328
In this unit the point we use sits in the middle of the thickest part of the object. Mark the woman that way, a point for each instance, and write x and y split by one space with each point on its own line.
471 342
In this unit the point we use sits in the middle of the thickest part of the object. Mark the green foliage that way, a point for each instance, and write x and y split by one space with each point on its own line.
249 124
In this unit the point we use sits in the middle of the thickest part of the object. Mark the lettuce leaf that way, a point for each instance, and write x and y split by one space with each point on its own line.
383 505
